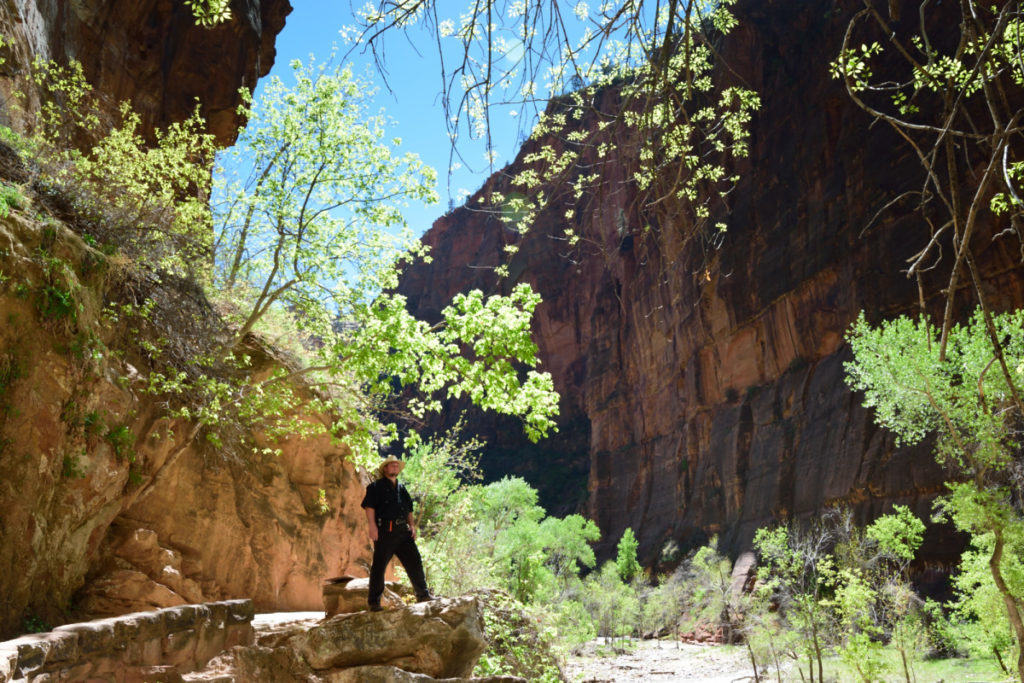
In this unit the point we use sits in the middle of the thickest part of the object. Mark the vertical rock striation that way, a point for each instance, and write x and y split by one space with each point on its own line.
707 396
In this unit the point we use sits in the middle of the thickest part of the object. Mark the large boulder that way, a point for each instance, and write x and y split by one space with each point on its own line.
441 638
437 640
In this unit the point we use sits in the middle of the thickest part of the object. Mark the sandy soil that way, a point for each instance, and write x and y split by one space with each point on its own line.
658 660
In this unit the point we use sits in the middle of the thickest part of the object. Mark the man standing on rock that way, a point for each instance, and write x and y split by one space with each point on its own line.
389 516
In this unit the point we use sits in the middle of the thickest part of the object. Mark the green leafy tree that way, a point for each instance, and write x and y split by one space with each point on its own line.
697 595
308 227
625 559
498 536
710 598
853 601
533 554
436 471
954 99
612 604
148 198
300 243
918 386
899 534
898 611
979 603
796 569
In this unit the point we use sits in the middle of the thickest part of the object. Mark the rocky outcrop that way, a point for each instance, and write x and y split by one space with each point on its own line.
149 52
345 595
437 640
83 532
707 396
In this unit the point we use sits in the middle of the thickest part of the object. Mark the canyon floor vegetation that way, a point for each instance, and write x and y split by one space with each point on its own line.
829 601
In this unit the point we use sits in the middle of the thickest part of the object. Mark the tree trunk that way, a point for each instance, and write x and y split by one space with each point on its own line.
1012 609
753 661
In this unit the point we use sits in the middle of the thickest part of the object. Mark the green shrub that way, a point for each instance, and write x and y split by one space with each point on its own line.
625 558
32 623
517 644
56 303
146 196
10 198
612 604
71 467
121 439
92 422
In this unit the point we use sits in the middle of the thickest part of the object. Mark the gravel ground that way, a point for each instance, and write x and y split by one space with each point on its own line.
658 660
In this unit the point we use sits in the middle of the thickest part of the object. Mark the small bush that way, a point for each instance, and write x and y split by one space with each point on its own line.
121 439
517 644
71 468
55 303
613 605
10 198
32 623
92 422
149 197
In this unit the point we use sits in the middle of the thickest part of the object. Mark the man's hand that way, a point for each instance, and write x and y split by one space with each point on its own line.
412 530
371 523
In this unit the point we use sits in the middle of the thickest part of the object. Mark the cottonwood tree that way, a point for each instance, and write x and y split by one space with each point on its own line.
308 228
954 96
917 388
795 568
632 84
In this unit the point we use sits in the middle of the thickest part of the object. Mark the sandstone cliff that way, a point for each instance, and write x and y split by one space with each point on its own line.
82 533
708 397
148 52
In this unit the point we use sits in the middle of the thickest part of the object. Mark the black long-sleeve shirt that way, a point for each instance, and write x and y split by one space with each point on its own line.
389 501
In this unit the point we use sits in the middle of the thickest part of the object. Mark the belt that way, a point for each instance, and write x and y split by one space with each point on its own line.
391 523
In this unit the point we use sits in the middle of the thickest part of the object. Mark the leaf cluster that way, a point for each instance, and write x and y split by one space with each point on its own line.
654 61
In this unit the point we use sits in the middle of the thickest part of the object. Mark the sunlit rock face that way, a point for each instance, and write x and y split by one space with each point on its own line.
82 531
149 52
706 396
79 535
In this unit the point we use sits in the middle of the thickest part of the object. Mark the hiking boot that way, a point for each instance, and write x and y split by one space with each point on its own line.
425 597
375 608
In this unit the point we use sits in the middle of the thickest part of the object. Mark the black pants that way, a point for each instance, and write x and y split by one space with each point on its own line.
398 542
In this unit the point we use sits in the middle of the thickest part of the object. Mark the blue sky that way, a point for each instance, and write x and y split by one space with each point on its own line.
413 102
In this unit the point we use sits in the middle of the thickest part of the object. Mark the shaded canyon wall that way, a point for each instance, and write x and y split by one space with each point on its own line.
704 398
148 52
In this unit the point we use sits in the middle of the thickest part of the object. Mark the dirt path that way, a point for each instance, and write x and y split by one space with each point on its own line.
658 660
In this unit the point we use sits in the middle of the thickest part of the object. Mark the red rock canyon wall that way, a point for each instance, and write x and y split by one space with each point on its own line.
700 402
